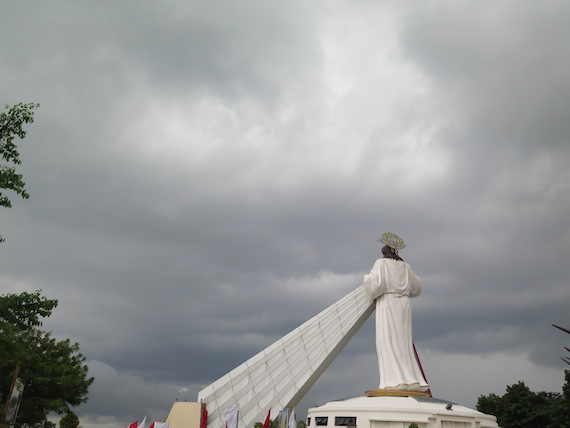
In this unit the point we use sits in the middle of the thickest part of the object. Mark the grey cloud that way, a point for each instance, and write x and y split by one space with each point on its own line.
199 190
128 397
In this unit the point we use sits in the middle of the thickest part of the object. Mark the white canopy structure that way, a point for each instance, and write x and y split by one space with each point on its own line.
279 376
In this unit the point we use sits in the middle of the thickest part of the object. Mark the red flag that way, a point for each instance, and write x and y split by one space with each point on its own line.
267 419
152 425
135 424
421 368
204 421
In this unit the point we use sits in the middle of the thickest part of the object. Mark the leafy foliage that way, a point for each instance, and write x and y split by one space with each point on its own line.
25 309
70 420
272 424
520 407
11 126
54 372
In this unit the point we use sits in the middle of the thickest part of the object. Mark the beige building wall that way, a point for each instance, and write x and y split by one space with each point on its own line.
185 415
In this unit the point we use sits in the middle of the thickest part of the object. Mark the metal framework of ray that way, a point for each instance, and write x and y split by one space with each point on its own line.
279 376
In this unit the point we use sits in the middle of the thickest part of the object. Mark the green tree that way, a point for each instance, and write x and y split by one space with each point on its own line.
520 407
489 404
70 420
54 372
301 424
24 310
12 126
566 387
18 314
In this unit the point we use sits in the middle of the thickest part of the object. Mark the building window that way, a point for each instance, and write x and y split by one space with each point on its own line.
321 420
345 421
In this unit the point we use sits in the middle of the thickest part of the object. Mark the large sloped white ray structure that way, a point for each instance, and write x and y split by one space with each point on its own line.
279 376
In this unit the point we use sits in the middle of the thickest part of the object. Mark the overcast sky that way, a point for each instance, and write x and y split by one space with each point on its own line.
205 176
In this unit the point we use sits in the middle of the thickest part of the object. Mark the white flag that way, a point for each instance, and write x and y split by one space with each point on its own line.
142 424
161 424
292 419
230 417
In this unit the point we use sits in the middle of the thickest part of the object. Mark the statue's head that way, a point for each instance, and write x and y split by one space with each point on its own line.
393 244
387 251
390 253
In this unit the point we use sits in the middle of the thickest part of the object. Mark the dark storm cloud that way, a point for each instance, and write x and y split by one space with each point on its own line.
195 45
498 74
206 179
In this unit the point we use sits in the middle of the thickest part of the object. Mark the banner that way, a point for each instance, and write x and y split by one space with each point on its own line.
15 400
267 419
204 418
292 419
230 417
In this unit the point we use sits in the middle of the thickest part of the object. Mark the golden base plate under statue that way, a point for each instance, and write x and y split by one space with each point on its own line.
396 393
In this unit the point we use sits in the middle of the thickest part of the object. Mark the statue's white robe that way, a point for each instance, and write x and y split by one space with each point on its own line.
392 283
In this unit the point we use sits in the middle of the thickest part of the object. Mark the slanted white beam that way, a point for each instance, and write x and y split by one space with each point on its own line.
279 376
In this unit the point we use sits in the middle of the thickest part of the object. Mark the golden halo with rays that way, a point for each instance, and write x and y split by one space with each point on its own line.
392 240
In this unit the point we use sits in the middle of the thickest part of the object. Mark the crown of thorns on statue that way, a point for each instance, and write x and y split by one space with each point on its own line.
392 240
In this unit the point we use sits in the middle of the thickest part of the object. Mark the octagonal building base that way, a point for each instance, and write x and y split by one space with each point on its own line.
397 412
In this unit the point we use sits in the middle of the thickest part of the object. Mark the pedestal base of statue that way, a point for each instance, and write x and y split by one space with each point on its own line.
396 393
391 411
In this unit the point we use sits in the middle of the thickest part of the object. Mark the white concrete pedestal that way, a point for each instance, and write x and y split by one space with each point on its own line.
398 412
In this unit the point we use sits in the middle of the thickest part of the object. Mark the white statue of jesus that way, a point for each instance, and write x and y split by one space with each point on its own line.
392 282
